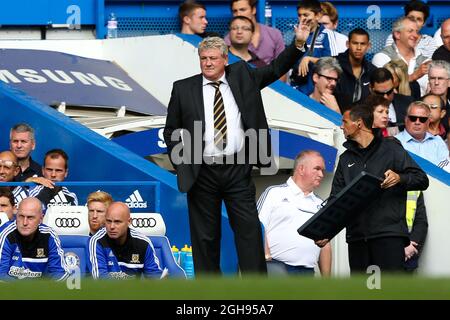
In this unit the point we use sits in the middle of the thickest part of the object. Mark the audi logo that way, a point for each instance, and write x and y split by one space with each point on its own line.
143 222
67 222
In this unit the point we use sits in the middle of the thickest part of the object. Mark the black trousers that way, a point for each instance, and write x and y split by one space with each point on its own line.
388 253
233 185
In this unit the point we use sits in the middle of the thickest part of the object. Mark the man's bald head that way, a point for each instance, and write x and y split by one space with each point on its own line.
118 209
9 167
117 221
29 216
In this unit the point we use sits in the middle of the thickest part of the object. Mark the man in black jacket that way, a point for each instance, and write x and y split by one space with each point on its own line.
379 234
214 109
353 84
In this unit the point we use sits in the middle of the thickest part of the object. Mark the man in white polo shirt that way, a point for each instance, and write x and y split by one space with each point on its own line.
283 209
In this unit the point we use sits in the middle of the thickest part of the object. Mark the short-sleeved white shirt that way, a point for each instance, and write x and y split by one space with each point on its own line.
282 210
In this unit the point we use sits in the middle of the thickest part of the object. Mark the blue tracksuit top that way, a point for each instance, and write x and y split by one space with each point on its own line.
40 257
134 259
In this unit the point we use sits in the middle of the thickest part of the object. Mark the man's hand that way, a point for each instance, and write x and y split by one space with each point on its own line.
301 33
391 179
411 250
330 101
303 67
420 71
321 243
41 180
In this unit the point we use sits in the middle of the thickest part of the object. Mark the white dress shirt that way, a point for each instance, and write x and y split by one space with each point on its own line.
235 128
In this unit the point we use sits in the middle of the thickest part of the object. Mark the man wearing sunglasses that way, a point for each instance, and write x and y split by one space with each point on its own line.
382 84
416 138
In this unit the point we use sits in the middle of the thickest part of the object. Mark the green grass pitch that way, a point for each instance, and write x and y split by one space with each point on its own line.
225 288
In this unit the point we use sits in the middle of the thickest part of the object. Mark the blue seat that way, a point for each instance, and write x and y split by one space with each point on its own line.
164 253
76 251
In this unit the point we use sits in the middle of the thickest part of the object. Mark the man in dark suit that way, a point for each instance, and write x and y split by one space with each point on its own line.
382 83
224 132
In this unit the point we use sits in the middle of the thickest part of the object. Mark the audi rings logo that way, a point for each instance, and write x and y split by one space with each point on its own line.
67 222
143 222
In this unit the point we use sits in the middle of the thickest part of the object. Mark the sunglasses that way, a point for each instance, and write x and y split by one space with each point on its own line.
421 119
382 93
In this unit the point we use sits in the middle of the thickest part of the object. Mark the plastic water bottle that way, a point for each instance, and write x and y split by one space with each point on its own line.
268 13
176 254
112 27
187 261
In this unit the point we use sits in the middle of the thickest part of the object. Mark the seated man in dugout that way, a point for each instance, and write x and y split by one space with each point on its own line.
118 252
30 249
97 204
55 169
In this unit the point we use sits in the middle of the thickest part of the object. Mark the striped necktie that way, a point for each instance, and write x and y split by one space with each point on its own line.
220 121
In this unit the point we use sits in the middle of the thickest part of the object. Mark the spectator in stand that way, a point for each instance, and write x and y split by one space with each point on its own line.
193 19
380 109
418 12
443 52
330 21
416 138
320 42
56 168
439 81
399 71
438 117
353 84
97 204
405 34
267 42
382 83
9 169
283 209
326 74
7 204
241 32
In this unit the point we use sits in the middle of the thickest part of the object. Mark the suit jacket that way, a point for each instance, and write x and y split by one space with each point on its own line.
401 103
186 107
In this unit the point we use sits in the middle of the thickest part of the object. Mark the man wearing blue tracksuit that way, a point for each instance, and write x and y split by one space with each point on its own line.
30 249
119 252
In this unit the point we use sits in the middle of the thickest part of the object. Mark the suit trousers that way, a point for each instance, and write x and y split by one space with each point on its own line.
232 184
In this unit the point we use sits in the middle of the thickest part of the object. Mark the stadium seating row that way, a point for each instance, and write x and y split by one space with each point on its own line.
73 220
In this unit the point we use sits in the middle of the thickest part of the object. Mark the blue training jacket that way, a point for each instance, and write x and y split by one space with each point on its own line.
133 259
41 257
